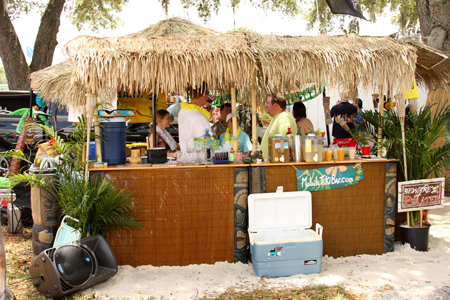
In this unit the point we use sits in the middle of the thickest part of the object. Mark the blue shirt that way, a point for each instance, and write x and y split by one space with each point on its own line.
245 145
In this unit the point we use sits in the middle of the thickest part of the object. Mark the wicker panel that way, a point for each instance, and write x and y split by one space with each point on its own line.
188 217
352 217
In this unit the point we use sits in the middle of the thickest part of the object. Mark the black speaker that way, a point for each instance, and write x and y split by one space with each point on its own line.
69 268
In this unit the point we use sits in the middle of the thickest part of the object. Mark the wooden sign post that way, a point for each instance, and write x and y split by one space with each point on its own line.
421 194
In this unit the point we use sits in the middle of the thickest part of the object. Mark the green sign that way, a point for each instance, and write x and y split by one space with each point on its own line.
333 177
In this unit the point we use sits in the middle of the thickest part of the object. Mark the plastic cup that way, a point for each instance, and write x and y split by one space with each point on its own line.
365 150
328 154
180 159
341 154
335 153
351 152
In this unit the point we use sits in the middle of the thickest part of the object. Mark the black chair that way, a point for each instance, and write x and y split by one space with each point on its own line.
23 203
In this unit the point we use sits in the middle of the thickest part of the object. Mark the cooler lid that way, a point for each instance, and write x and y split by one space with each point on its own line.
280 210
112 119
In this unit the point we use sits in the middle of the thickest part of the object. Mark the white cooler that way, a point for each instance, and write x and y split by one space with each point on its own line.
280 243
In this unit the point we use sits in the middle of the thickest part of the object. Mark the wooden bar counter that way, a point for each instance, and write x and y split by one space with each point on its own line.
198 214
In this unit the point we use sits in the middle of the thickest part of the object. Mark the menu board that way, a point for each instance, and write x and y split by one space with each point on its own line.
421 194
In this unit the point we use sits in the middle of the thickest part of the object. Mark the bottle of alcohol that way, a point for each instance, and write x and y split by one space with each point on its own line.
290 138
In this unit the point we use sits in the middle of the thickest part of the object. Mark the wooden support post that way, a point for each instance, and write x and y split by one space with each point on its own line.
254 131
381 111
235 124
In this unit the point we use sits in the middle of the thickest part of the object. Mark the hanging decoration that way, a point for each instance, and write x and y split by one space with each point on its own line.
305 95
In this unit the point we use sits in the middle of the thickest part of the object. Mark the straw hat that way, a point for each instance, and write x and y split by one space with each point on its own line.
345 95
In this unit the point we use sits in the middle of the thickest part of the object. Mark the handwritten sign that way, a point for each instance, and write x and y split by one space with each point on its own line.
329 178
421 194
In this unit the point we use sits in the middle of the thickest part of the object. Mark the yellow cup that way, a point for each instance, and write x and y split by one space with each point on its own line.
341 154
328 155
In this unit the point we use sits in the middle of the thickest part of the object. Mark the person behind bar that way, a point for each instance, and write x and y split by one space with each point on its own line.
221 126
163 137
193 118
244 143
343 113
303 123
281 120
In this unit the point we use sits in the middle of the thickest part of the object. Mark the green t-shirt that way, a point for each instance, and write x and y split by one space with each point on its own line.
278 125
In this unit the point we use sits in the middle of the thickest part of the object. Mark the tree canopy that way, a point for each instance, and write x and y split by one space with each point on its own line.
93 14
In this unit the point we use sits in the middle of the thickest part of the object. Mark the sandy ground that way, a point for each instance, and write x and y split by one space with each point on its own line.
402 274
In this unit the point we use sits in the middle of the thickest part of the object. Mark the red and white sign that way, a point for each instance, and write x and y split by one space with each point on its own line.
421 194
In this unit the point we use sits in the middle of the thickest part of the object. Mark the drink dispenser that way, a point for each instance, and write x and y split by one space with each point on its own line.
278 149
312 148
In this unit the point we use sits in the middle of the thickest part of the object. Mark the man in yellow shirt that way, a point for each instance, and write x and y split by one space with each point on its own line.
281 120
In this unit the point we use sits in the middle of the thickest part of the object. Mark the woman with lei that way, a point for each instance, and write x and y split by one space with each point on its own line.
163 137
244 143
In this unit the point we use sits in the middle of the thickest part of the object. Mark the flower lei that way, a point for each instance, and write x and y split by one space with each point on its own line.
200 109
227 134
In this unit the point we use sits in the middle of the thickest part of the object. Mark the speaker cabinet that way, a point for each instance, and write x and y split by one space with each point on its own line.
69 268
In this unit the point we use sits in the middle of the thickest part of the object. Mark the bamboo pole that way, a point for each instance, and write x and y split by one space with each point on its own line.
381 111
254 133
234 118
83 113
401 106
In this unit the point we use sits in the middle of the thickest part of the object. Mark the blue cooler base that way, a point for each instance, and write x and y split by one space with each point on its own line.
281 258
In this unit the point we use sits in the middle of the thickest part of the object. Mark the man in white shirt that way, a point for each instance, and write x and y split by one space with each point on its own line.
193 118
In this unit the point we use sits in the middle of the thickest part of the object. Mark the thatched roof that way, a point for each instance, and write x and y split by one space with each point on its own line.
164 63
340 60
143 61
232 59
432 67
54 83
174 27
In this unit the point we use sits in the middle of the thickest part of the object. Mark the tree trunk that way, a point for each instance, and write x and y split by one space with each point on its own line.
45 44
435 23
14 61
16 67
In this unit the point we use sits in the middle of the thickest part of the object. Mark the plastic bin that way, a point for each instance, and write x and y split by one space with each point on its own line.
114 143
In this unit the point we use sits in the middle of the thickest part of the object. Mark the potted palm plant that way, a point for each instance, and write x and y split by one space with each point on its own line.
423 157
98 205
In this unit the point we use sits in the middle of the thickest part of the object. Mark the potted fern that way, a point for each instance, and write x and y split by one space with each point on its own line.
98 205
424 158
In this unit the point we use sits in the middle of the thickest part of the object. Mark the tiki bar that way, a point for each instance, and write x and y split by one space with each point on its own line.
194 202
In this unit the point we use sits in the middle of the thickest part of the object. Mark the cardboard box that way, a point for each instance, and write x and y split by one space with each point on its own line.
280 243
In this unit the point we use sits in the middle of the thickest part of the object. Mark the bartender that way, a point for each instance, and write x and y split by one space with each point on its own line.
193 118
281 120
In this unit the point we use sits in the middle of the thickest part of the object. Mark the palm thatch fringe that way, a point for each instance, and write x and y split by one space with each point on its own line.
171 53
340 60
433 66
164 63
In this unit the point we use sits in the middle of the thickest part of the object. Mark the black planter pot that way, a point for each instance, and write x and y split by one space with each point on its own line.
417 237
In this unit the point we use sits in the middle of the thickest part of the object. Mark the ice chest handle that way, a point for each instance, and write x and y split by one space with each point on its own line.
157 155
319 229
66 234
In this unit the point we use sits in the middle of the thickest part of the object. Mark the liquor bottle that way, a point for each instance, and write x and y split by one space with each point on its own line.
290 138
